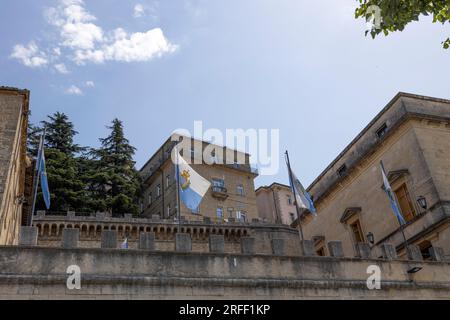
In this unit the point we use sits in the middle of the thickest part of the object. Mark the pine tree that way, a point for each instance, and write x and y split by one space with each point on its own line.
116 182
34 136
60 133
67 190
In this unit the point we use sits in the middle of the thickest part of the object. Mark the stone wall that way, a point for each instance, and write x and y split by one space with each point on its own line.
41 273
13 161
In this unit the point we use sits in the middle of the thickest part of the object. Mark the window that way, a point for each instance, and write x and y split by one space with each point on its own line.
321 252
240 215
218 182
240 190
168 181
219 213
289 200
342 171
150 199
168 210
357 231
425 247
230 212
158 190
382 131
404 201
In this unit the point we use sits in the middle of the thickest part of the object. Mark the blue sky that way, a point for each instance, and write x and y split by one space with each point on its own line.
304 67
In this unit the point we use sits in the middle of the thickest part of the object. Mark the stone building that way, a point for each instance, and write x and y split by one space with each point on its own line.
276 204
230 197
13 161
411 135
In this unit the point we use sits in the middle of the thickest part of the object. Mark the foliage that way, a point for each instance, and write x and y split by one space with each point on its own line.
396 14
114 182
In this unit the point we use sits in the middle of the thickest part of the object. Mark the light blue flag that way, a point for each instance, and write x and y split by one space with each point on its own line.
192 186
387 188
303 198
44 180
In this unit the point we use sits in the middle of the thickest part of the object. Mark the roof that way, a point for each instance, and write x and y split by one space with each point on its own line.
272 186
194 139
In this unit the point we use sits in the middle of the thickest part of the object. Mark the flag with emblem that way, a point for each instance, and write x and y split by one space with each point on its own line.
192 186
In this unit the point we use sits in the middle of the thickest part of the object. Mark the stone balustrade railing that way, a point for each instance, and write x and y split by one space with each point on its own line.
183 243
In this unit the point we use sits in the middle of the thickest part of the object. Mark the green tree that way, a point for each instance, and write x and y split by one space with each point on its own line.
67 189
60 133
396 14
34 136
115 183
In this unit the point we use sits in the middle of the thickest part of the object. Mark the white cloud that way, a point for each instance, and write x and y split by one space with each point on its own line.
86 42
29 55
74 90
61 68
75 24
139 10
90 84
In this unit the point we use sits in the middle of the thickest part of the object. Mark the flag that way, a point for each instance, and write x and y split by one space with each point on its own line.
302 197
124 244
42 174
387 188
192 186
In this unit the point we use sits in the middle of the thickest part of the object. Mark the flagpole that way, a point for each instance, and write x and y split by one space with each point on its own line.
177 171
37 177
295 196
402 226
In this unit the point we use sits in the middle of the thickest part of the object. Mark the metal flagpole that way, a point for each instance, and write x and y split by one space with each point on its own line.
177 170
295 195
402 226
37 177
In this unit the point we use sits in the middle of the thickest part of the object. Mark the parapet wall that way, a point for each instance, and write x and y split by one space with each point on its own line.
50 229
33 272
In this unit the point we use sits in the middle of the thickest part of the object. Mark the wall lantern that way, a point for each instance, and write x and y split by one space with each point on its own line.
370 238
422 201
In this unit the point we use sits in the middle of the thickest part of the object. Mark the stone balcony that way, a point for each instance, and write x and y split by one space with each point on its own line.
220 193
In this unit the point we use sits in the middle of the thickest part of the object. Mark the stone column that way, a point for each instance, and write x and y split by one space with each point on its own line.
216 243
389 252
28 236
414 253
363 250
183 242
437 254
70 238
109 239
335 249
248 245
147 241
307 248
278 247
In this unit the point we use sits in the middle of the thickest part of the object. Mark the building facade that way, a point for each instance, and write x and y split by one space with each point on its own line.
276 204
411 135
13 161
230 197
